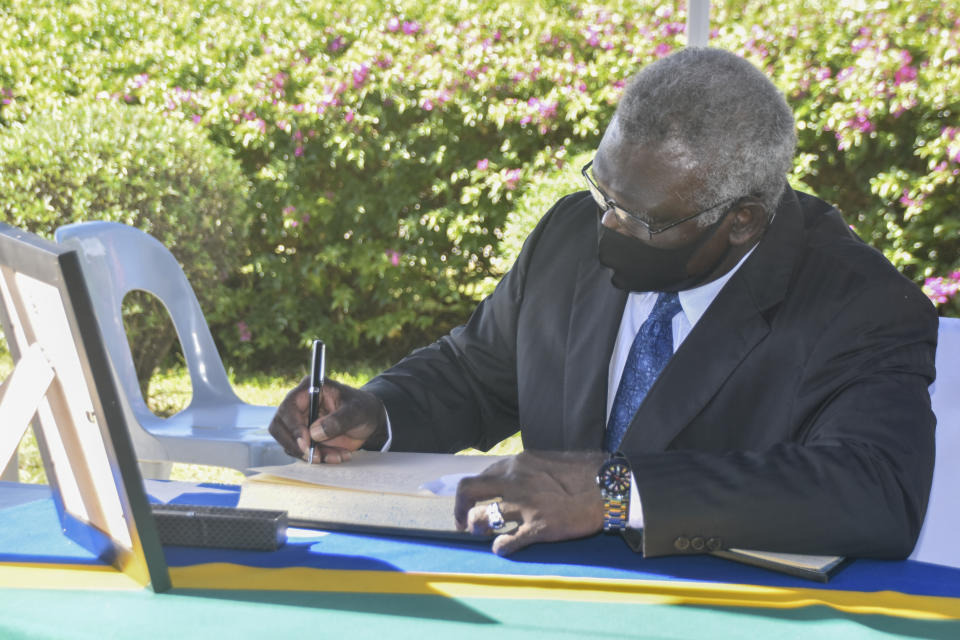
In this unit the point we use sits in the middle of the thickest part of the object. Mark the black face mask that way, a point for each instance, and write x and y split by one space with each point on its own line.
637 266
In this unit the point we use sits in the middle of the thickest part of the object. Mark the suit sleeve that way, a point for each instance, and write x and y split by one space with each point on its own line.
461 391
855 477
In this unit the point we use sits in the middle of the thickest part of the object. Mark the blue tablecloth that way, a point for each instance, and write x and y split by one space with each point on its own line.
600 570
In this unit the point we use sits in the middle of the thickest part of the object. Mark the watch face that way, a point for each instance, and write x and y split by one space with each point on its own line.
614 478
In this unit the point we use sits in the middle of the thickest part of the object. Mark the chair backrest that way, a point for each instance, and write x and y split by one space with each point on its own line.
117 259
937 542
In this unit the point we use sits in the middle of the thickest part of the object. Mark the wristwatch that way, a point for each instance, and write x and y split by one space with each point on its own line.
614 482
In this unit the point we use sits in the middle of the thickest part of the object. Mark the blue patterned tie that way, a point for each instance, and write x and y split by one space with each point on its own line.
649 353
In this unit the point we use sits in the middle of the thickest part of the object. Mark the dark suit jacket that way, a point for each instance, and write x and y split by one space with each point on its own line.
795 416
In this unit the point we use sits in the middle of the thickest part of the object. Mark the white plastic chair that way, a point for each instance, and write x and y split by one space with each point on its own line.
937 543
216 428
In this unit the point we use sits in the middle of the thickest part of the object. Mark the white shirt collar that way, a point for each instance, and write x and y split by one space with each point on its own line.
695 301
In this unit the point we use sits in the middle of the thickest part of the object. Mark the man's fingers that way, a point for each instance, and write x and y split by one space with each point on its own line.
331 396
289 423
478 517
300 396
285 433
330 455
523 536
283 436
329 427
474 489
347 418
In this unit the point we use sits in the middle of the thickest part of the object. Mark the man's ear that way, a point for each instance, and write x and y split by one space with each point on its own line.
750 219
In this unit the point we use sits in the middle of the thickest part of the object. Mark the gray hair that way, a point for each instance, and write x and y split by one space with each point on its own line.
718 114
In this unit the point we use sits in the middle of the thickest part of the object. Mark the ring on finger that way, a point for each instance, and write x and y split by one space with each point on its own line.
494 516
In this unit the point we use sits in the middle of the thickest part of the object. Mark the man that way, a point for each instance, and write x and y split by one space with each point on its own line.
791 412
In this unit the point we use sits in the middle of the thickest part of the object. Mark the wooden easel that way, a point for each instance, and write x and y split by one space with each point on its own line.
63 384
20 396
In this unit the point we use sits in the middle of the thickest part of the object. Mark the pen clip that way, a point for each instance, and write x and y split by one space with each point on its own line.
315 392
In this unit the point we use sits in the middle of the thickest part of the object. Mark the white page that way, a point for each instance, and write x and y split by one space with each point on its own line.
386 472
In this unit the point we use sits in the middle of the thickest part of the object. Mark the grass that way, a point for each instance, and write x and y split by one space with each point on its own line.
169 392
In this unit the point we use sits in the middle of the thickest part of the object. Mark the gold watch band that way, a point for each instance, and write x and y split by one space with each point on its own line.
615 513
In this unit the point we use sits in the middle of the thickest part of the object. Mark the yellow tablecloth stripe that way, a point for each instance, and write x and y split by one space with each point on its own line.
220 576
30 575
224 576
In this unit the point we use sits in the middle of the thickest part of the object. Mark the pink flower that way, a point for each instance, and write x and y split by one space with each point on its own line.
196 118
842 145
823 73
512 179
360 75
337 43
845 73
861 123
393 256
348 116
289 209
427 104
244 331
547 109
673 28
410 28
907 201
298 151
939 289
661 50
905 73
393 24
483 165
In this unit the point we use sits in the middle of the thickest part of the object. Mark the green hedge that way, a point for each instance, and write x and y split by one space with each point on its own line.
91 159
388 144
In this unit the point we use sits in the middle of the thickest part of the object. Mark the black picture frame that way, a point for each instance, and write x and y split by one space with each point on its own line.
82 433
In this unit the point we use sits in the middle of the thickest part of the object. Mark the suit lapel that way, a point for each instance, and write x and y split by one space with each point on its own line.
595 318
731 327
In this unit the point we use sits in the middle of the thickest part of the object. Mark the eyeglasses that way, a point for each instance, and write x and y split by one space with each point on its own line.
606 203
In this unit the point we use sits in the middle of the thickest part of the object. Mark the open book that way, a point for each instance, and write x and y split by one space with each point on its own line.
413 494
390 492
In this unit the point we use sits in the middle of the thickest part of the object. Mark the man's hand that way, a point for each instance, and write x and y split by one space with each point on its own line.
551 495
348 418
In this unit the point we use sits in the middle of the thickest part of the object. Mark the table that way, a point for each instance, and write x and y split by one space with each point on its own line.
373 586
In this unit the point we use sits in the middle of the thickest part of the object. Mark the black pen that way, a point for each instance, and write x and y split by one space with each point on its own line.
317 366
